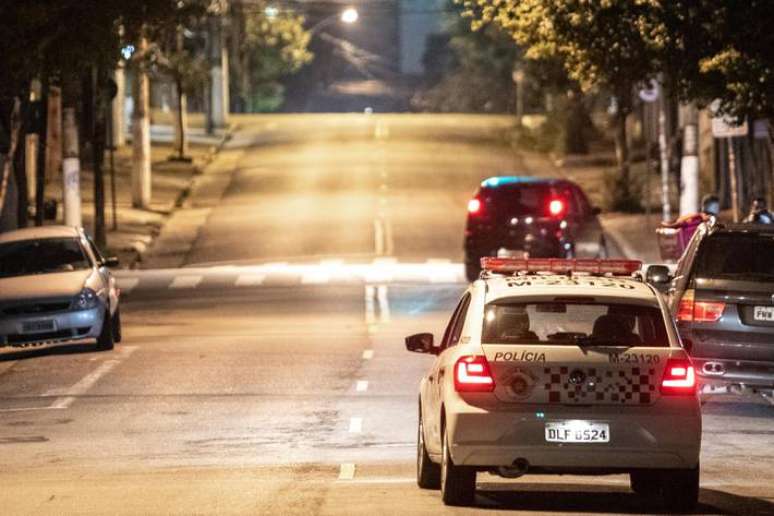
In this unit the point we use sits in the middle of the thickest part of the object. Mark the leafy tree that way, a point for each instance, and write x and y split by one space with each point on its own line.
600 44
273 44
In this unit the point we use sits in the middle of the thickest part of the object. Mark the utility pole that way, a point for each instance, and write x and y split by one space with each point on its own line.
71 169
666 208
219 103
689 165
141 147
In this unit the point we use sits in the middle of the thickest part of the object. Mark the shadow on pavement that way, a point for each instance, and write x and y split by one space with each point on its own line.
579 498
44 351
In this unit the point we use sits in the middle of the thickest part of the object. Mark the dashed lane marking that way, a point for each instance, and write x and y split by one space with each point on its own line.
188 281
368 354
250 280
361 386
127 284
384 304
355 425
347 471
88 381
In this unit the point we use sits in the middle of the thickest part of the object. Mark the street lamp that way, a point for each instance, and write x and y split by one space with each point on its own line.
349 15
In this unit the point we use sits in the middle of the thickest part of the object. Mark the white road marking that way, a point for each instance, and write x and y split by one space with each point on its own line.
127 284
361 386
355 425
384 304
315 278
88 381
368 354
250 280
347 471
187 281
379 236
370 306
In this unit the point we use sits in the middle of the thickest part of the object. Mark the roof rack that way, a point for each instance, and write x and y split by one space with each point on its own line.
560 266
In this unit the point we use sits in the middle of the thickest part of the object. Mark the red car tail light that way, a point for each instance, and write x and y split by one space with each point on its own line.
474 206
679 377
472 374
556 207
699 311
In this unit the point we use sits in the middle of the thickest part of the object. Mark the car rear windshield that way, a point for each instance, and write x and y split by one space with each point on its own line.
574 323
739 256
41 257
528 199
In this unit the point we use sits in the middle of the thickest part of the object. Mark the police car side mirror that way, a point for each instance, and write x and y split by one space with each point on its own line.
420 343
658 275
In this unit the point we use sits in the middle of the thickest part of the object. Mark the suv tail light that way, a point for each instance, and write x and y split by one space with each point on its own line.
679 377
474 206
699 311
472 374
557 207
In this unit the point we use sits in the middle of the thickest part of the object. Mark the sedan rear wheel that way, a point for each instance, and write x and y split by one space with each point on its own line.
458 483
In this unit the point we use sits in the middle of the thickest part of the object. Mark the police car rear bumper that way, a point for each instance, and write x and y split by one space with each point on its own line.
666 434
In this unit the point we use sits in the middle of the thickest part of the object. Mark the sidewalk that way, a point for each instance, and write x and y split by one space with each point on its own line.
137 228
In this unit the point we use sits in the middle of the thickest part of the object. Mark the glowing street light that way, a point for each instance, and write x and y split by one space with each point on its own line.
271 11
349 15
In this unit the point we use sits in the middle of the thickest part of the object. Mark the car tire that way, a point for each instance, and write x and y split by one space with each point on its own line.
472 270
458 483
428 472
645 483
105 340
117 326
680 489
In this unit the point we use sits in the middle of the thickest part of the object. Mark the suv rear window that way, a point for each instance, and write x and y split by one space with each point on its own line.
574 323
739 256
528 199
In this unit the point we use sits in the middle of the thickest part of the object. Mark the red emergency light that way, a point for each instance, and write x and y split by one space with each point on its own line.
560 266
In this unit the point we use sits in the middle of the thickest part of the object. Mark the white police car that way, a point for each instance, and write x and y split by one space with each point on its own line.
559 367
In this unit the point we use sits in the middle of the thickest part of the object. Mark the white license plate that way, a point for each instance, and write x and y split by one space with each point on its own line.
38 326
577 432
764 313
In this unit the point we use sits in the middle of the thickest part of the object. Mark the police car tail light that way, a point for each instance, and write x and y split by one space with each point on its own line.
474 206
472 374
679 377
560 266
699 311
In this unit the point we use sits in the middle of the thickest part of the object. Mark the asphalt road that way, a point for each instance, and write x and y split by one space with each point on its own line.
268 376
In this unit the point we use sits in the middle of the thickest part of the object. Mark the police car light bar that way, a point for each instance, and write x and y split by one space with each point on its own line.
560 265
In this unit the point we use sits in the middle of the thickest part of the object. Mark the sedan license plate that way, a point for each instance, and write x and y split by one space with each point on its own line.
38 326
764 313
577 432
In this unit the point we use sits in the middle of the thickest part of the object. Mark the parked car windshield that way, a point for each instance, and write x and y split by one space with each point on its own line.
574 323
41 257
740 256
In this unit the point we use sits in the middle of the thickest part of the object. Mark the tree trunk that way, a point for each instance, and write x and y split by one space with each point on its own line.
15 133
40 172
622 152
181 138
141 148
54 133
71 169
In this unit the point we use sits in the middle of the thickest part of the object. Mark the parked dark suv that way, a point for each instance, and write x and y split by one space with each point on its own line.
722 296
544 218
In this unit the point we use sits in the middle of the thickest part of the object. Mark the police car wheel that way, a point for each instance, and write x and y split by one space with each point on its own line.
645 483
117 326
428 473
458 483
680 489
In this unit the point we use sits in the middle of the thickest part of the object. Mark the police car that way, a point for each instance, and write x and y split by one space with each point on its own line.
556 366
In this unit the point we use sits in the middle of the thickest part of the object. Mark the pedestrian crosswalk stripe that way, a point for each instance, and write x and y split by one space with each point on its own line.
188 281
250 280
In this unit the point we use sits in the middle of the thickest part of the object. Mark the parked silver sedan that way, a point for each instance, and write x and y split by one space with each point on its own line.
55 287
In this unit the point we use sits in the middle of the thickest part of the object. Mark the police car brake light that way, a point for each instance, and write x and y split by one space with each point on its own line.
560 265
679 377
472 374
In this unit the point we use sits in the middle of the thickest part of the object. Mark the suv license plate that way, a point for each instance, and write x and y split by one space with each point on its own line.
577 432
764 313
38 326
